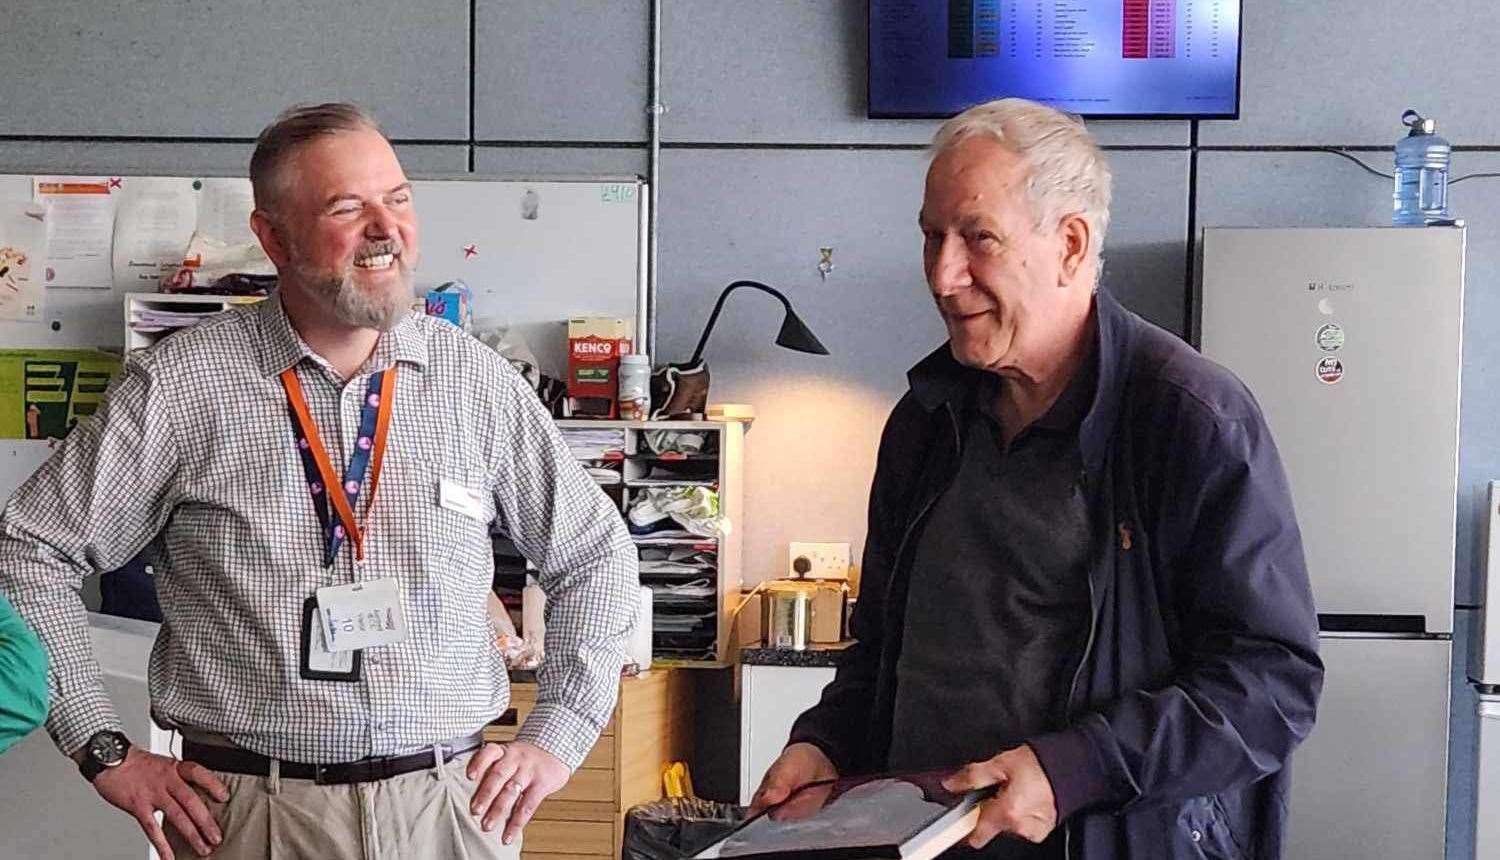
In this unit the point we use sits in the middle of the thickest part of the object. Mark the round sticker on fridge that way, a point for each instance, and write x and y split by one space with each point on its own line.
1330 337
1330 371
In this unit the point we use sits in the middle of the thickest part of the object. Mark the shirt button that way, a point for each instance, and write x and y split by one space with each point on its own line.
380 727
374 659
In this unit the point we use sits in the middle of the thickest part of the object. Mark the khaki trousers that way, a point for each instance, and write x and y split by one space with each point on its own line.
415 816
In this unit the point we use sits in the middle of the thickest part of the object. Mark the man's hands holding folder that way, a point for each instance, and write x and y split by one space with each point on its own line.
1024 806
797 765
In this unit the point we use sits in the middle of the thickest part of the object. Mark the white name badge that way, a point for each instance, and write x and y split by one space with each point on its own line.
456 497
362 614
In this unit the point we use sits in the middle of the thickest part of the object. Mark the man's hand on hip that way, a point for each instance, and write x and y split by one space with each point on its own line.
514 778
797 765
146 782
1024 805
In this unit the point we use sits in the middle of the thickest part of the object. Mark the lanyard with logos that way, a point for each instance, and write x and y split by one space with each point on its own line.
322 482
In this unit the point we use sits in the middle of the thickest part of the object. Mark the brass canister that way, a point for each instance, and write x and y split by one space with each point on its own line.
786 613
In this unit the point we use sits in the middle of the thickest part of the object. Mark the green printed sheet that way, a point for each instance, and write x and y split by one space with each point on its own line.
44 393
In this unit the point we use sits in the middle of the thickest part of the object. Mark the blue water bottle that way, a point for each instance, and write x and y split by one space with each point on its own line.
1421 195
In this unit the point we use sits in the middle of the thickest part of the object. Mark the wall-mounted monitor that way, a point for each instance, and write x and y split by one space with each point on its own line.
1143 59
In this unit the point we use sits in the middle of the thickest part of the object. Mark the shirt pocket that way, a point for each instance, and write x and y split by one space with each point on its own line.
446 555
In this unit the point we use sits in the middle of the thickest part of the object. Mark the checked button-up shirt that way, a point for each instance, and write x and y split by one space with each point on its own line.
194 445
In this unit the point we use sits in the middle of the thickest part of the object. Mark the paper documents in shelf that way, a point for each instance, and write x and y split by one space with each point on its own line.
149 319
603 476
686 593
590 444
670 482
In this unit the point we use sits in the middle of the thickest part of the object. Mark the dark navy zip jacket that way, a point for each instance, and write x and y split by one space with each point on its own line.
1201 673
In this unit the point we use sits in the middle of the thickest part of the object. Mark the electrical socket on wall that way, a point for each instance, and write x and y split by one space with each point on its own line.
821 560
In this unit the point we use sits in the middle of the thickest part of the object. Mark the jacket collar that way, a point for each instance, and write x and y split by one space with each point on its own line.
939 379
281 347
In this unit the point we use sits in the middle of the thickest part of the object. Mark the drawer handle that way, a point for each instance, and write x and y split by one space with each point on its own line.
509 718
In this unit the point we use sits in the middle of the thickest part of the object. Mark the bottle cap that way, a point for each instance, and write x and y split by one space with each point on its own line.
1418 123
636 358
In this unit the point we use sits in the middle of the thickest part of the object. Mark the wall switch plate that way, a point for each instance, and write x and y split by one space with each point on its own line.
822 560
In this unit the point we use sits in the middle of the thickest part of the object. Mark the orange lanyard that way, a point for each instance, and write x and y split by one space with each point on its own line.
369 451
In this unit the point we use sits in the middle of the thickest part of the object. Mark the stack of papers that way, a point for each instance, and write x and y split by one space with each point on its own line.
156 320
591 444
687 593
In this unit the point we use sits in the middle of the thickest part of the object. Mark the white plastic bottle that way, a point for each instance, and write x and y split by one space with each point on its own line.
635 387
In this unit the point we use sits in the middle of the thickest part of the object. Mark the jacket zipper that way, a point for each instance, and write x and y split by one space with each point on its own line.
1078 673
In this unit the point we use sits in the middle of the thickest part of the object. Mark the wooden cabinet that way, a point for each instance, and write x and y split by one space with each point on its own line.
651 726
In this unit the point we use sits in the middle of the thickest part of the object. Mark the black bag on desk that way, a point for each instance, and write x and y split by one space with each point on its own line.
676 828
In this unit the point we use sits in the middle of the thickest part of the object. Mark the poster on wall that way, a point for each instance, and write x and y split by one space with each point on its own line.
80 230
44 393
23 239
153 225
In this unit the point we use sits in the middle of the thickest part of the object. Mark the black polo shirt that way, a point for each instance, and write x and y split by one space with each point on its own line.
998 612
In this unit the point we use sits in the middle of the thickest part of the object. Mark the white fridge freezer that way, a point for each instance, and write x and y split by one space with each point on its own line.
1350 339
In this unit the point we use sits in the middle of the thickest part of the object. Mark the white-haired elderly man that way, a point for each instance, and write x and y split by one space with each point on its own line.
1083 580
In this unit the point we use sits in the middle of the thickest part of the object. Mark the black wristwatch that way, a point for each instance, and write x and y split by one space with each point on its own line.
104 750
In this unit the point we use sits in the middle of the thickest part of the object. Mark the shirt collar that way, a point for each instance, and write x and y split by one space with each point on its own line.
939 379
1067 412
281 347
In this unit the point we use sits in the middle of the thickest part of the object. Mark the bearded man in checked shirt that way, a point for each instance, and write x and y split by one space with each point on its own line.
226 441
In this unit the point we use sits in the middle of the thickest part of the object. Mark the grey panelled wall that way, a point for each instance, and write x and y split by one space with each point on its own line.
180 68
578 71
767 157
1340 72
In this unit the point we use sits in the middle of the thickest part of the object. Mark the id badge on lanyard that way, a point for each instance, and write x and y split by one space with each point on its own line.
342 620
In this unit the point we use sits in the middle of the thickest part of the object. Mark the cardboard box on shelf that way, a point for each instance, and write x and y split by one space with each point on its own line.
747 626
452 301
828 612
595 345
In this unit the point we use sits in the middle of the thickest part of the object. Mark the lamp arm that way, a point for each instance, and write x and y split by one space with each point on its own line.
719 306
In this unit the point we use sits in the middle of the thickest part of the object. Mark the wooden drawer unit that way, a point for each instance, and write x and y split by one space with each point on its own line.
652 725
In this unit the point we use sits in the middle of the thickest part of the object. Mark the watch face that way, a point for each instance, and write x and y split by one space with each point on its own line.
108 748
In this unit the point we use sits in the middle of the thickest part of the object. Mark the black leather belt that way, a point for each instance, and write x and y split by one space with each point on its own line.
373 769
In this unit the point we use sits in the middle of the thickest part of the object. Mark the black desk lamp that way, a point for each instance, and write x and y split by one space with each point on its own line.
682 389
794 333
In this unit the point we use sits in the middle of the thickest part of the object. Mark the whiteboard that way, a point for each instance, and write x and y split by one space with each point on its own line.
534 250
